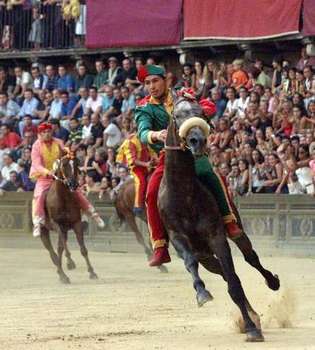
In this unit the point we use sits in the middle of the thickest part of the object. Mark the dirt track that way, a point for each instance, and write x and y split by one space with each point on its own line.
134 307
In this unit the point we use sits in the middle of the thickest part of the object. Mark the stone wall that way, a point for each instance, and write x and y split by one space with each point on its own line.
275 221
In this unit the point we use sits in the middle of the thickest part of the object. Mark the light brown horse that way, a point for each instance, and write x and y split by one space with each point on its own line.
63 213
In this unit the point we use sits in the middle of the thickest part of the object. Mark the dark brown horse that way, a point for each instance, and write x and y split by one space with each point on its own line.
124 203
63 214
195 227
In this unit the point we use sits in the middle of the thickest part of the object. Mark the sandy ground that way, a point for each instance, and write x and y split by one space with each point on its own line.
132 306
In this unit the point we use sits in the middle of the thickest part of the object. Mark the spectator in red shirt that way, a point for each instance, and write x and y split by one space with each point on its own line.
10 138
29 126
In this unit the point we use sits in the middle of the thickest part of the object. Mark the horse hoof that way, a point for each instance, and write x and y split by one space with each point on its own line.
203 297
254 336
93 276
163 269
273 283
71 265
64 280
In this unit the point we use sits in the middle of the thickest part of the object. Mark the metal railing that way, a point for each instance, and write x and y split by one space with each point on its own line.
38 28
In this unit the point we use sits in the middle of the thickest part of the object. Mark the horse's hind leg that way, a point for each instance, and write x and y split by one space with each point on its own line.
70 262
251 257
54 257
222 250
133 225
191 265
80 238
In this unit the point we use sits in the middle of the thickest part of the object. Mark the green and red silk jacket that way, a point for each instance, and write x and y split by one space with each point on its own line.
152 115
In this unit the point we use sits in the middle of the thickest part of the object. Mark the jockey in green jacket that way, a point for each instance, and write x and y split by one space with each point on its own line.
152 117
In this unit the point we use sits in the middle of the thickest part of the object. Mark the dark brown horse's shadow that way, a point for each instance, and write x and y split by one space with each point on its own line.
63 213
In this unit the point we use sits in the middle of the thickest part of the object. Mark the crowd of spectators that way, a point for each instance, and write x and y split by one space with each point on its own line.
263 129
36 24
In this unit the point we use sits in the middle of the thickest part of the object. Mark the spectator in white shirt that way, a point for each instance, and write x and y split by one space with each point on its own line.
9 165
242 103
55 108
112 134
23 81
94 102
231 106
80 108
86 129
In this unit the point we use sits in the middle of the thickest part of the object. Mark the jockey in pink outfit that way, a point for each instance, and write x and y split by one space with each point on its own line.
46 150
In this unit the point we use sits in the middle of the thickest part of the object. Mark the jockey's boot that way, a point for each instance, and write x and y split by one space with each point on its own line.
36 230
160 257
99 221
233 230
96 216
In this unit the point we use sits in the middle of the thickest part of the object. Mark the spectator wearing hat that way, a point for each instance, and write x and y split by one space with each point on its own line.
83 79
101 75
113 71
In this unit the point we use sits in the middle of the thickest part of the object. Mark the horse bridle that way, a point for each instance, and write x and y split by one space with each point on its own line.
182 146
64 178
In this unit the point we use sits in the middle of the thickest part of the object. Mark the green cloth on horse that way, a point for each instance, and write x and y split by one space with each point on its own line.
213 183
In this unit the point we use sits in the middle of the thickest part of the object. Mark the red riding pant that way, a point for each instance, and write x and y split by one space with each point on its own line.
140 176
156 227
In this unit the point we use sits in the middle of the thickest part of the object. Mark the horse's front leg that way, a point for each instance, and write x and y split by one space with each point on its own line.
77 228
70 262
222 250
62 234
184 251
